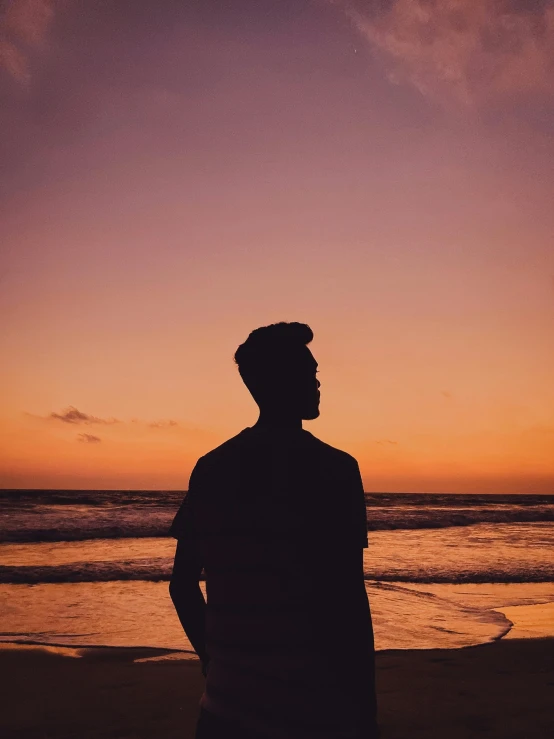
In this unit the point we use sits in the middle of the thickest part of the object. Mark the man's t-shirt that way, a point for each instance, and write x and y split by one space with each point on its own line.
278 519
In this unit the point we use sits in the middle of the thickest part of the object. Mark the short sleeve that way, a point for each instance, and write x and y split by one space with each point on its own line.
182 525
359 506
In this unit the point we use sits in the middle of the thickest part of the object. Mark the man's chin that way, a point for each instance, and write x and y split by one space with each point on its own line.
311 414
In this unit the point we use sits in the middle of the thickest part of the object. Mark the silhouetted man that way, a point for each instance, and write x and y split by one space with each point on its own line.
277 520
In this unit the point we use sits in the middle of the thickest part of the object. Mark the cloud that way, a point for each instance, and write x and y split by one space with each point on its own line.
462 51
88 439
386 442
75 417
72 415
24 26
13 61
162 424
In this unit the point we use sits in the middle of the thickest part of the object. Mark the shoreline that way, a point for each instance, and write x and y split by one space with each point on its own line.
149 653
498 690
89 650
513 631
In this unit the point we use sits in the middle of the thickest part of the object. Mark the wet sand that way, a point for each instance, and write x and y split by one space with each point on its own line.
504 690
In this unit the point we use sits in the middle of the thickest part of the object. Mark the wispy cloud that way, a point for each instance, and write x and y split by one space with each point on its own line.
386 442
75 416
88 439
162 424
461 50
24 25
72 416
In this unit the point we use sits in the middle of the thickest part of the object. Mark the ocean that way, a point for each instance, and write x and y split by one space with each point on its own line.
91 568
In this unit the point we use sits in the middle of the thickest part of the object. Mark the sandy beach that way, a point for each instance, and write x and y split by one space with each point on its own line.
502 690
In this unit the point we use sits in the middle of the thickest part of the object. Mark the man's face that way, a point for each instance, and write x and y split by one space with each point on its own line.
308 395
295 386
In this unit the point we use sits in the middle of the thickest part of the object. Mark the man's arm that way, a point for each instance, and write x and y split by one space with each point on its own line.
359 505
361 622
183 587
187 597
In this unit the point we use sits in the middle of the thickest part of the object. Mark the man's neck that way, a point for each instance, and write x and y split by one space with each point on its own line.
275 421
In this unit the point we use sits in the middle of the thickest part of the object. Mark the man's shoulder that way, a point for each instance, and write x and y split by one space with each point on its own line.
232 447
339 456
226 449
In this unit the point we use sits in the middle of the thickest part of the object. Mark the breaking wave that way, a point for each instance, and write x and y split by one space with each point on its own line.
31 516
159 569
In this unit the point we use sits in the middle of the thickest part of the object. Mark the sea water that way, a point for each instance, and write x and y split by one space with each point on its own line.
91 568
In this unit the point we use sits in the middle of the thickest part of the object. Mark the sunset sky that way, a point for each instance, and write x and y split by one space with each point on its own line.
175 174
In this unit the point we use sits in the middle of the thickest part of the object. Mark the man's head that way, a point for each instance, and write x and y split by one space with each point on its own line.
279 369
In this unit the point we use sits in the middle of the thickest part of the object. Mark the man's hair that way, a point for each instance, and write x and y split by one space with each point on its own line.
269 347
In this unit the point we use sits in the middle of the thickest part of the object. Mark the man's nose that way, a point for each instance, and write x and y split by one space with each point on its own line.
318 383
